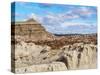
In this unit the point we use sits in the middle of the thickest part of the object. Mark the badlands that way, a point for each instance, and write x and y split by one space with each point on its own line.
36 50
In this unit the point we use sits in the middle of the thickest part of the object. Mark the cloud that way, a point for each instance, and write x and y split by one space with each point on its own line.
63 22
58 18
71 27
53 24
67 24
83 11
78 13
70 16
38 18
33 16
75 24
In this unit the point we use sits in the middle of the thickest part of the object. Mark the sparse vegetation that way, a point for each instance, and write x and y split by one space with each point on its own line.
37 47
70 40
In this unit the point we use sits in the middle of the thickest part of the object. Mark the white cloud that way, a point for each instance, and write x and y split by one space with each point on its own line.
35 17
71 24
66 24
57 23
84 11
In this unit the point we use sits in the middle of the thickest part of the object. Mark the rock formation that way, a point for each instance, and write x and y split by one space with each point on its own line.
36 50
36 58
30 30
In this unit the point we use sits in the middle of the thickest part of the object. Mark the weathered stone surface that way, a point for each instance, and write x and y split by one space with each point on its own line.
35 58
36 50
54 66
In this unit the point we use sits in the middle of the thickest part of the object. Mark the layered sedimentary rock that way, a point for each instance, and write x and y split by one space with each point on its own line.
36 50
30 30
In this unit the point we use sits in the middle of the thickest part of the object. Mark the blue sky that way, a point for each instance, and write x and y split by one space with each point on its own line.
58 18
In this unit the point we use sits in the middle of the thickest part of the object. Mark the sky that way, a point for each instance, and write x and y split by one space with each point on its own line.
58 18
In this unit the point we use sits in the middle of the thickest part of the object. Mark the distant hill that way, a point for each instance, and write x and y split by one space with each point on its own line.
75 34
31 29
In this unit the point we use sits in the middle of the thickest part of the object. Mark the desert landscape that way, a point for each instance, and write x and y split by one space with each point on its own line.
36 50
53 37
